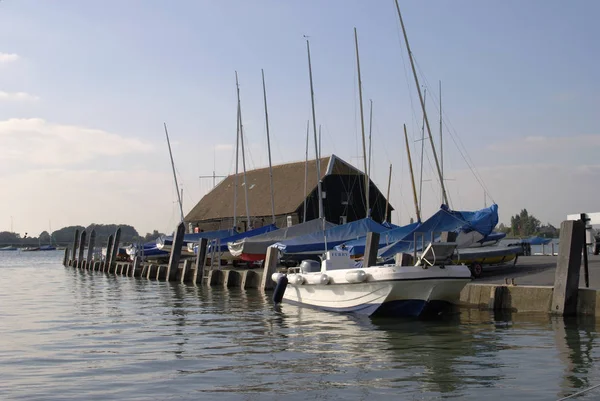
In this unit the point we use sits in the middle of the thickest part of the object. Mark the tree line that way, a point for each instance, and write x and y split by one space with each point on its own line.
65 235
524 224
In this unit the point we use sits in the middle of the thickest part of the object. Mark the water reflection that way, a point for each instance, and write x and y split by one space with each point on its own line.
70 332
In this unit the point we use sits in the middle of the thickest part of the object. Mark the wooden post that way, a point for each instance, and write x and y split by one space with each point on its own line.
181 273
75 243
137 261
586 275
270 266
150 266
109 247
175 250
91 244
80 259
198 274
66 257
371 248
568 266
115 248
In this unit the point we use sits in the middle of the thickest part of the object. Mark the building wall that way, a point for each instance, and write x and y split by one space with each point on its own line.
242 225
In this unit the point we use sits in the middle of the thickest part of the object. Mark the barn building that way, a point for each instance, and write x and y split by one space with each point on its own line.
342 189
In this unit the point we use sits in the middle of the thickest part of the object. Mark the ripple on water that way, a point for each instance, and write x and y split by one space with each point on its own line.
69 334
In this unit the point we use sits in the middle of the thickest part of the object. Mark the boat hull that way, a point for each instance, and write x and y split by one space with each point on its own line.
392 292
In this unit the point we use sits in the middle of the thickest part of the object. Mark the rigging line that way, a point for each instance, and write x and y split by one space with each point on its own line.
466 158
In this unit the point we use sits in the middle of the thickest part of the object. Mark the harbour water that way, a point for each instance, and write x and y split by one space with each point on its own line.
70 334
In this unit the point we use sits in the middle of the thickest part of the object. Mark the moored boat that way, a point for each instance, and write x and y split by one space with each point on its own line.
431 286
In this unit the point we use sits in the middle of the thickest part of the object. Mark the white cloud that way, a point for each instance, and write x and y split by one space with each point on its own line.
41 143
81 197
8 57
224 146
18 96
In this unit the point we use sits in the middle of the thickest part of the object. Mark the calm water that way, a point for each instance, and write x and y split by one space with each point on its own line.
67 334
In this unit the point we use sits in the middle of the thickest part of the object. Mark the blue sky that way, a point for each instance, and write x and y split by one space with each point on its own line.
86 86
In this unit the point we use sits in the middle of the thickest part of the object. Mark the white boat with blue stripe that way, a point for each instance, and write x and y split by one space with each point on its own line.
431 286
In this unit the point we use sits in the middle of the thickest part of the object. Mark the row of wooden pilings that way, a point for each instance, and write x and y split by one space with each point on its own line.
193 271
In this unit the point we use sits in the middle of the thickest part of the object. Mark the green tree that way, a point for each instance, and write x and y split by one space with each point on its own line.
524 224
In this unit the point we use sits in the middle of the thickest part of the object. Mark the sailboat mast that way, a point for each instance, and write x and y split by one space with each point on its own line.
174 175
362 124
387 199
237 162
318 161
441 137
422 151
412 64
370 132
306 171
249 223
412 176
268 147
319 157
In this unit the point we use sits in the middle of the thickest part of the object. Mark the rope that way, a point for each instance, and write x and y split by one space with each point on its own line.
453 135
579 393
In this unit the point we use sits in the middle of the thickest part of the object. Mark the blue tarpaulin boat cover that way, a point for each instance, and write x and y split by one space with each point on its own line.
248 234
315 242
482 221
195 237
357 247
537 241
257 246
492 237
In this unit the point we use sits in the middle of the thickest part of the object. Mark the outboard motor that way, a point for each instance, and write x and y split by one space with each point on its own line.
310 266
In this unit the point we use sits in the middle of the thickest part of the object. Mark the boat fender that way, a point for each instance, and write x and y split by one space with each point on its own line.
282 283
296 279
276 276
322 279
356 276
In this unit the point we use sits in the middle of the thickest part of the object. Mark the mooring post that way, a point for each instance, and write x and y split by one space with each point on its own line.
568 266
181 273
586 274
91 244
175 256
80 260
66 257
371 248
137 261
270 266
198 274
75 243
115 248
109 247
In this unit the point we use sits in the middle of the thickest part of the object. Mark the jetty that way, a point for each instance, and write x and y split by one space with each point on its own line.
547 284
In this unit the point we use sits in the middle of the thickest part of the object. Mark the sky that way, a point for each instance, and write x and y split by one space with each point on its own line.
85 88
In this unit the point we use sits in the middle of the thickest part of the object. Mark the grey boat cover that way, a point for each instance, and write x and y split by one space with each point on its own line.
258 245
